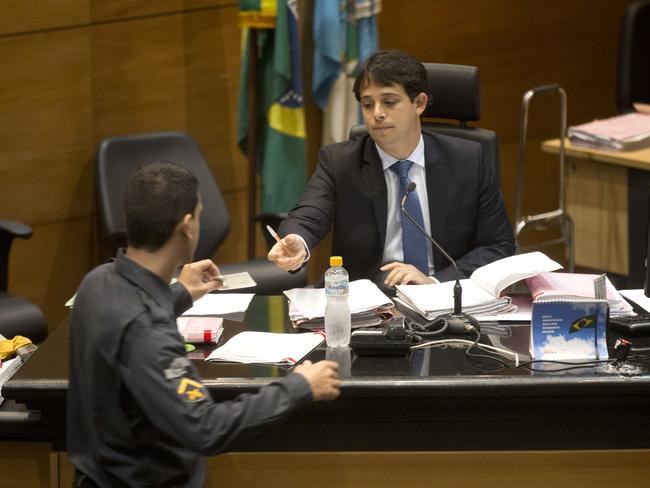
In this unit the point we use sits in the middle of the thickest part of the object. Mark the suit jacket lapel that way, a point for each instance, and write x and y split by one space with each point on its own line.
437 196
373 176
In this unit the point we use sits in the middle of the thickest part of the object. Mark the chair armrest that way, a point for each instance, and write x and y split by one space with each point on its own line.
11 229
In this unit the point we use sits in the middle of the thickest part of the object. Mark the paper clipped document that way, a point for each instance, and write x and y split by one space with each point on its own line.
363 296
221 304
561 286
267 348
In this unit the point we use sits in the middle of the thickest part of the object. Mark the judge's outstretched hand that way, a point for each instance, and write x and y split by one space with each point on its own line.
289 253
200 278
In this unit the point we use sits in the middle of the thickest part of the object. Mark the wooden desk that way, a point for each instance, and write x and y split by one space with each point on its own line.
434 416
608 196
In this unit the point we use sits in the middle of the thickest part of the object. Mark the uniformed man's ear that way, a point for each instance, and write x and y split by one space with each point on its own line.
421 100
185 226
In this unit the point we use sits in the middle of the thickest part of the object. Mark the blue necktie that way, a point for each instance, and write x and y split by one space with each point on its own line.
414 243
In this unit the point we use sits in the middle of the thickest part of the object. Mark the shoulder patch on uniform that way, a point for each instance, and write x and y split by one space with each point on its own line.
191 390
178 367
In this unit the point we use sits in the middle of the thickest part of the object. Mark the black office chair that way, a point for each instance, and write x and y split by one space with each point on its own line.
454 94
17 316
633 83
119 157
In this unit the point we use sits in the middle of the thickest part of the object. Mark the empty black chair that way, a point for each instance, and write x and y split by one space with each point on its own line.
454 93
119 157
17 316
633 82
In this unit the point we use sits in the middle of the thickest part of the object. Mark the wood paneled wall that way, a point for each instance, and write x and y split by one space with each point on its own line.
76 71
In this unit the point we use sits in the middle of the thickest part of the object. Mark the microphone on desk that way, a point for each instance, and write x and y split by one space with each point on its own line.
457 321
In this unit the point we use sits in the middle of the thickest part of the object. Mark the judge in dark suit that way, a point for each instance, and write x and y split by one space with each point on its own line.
358 186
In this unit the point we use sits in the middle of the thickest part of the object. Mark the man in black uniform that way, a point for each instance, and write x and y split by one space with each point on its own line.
138 413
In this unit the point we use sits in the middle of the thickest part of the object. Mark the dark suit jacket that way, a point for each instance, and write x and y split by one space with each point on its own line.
348 191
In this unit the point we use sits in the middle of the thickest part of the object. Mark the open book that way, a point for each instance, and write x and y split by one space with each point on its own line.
481 292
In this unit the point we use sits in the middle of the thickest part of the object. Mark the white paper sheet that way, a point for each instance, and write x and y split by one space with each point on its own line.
221 304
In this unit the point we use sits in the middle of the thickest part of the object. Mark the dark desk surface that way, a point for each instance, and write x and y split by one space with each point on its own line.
435 399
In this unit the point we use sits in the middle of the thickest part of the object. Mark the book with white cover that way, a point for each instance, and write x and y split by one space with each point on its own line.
482 291
267 348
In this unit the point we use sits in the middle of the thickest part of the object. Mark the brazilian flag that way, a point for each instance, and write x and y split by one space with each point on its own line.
587 322
280 151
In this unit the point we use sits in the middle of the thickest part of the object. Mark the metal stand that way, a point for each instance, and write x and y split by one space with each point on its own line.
553 217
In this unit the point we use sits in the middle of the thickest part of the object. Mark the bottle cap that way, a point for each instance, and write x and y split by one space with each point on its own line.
336 261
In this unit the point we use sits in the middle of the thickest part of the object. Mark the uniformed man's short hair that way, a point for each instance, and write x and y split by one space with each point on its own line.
392 67
156 199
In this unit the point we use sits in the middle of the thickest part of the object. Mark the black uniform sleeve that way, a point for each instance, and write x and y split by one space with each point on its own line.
182 298
169 391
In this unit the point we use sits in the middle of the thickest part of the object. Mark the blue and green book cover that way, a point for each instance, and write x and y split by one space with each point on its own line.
569 329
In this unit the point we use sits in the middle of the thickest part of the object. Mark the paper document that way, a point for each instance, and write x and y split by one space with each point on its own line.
622 132
221 304
7 370
560 286
200 329
499 275
363 296
267 348
481 292
236 281
638 297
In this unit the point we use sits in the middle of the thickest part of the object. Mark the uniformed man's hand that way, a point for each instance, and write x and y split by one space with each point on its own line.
200 278
402 274
289 253
323 378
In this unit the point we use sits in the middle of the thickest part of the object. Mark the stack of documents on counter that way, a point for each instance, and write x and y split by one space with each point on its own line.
267 348
481 292
368 305
571 286
623 132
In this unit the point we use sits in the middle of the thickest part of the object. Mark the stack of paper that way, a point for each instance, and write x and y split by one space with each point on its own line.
623 132
430 301
267 348
368 305
7 370
481 292
563 286
200 329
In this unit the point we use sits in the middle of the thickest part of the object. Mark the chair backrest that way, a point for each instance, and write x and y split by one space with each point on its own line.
454 93
633 81
119 157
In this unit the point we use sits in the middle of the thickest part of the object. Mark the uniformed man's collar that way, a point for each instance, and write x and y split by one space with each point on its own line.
150 282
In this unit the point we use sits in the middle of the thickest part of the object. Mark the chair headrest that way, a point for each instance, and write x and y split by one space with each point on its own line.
453 92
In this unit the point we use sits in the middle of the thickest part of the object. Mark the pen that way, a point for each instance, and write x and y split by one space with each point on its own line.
274 235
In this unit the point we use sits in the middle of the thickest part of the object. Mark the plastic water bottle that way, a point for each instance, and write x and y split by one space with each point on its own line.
337 310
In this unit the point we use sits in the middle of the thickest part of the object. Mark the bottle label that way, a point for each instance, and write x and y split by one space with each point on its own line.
336 286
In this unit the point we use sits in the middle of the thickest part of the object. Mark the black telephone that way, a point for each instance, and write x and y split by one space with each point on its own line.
390 339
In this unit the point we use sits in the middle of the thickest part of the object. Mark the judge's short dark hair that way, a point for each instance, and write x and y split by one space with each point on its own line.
156 198
392 67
